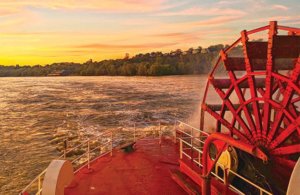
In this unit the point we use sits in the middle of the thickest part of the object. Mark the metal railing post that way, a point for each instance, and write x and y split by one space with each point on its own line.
39 184
100 144
180 148
192 147
192 136
88 153
199 157
134 129
65 148
226 177
111 143
175 138
201 137
159 133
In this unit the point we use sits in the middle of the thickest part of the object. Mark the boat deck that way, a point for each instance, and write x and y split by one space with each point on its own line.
144 171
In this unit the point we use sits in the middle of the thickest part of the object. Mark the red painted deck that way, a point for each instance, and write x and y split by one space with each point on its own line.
144 171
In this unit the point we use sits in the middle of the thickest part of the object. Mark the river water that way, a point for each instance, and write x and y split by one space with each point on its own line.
33 109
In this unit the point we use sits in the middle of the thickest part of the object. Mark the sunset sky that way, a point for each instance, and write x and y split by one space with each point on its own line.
42 32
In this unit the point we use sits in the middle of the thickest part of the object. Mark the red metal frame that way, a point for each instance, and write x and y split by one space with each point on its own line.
279 135
255 151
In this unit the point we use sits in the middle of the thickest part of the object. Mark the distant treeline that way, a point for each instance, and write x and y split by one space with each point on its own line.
192 61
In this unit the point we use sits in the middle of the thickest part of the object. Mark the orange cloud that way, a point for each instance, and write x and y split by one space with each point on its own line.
170 35
280 7
125 46
279 18
5 11
94 5
217 20
201 11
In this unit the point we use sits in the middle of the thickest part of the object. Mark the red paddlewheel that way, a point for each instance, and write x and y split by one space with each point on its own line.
256 86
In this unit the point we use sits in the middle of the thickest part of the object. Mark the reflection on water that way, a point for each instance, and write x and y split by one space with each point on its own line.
33 109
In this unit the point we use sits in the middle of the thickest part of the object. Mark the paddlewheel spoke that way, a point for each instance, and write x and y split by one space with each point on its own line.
295 100
285 162
291 108
269 79
286 150
229 105
222 112
239 93
234 131
285 134
286 99
252 87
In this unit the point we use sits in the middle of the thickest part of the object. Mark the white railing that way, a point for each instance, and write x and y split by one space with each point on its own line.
78 161
192 140
37 181
140 130
129 134
191 137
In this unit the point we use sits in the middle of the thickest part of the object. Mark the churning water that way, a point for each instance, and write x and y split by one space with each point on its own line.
33 109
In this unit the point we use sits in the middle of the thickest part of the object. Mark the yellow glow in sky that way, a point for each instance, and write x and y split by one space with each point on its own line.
43 32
